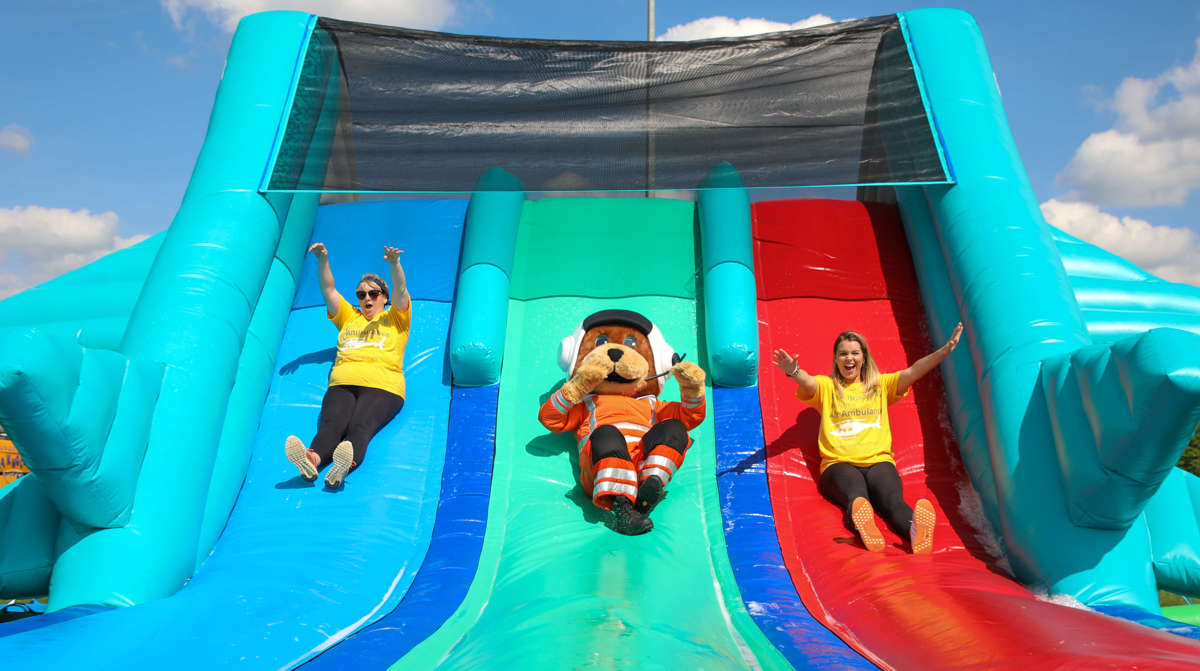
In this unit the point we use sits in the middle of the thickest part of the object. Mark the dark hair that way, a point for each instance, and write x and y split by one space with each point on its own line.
377 281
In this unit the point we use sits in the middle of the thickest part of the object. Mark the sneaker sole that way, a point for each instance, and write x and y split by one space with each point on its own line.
294 449
343 457
863 516
924 519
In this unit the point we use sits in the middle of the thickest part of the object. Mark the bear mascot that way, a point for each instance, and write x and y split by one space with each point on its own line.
630 442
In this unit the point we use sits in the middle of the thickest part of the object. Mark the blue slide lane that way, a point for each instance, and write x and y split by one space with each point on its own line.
298 567
753 546
453 556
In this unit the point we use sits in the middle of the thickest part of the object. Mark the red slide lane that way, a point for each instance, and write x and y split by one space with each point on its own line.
826 266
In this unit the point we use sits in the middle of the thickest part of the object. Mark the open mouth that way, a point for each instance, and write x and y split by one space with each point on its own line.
613 377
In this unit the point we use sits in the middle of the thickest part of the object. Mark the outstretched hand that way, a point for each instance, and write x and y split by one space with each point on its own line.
786 362
392 254
319 251
954 337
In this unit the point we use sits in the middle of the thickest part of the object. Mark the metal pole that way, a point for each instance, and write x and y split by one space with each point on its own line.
649 132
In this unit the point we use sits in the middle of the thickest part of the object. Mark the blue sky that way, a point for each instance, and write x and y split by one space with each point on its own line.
105 105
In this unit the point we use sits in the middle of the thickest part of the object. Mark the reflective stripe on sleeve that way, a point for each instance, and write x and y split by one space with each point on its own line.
560 402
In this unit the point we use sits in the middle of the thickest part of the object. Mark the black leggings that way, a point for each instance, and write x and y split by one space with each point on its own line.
878 483
355 414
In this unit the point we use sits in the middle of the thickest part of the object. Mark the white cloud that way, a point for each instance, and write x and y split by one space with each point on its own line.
1151 156
42 243
723 26
1170 253
16 139
427 14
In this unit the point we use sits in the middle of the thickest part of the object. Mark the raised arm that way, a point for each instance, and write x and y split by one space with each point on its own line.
333 300
926 363
400 297
787 364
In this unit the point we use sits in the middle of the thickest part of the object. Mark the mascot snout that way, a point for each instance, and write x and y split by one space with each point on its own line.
621 364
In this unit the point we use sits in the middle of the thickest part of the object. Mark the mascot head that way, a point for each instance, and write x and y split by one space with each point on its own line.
629 343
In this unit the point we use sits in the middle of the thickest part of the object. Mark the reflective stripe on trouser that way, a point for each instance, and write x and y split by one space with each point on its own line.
663 461
610 477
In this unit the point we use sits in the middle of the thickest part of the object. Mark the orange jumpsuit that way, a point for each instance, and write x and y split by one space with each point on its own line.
633 417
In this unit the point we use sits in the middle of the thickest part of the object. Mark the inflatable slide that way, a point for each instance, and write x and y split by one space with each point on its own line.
167 528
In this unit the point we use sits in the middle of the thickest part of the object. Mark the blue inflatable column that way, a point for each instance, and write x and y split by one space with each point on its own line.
730 294
481 300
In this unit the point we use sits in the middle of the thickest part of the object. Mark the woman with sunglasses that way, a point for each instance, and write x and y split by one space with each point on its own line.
366 384
858 471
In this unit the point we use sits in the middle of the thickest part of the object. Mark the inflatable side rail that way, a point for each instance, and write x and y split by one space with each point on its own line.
481 301
125 441
727 257
481 298
1005 279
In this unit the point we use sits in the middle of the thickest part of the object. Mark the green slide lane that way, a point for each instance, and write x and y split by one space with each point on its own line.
555 587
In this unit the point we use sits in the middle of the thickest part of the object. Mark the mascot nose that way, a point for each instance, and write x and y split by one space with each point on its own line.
614 355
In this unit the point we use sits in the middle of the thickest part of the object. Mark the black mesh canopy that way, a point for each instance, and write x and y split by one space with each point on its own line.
431 112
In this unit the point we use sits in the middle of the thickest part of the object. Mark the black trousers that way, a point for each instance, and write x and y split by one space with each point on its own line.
353 413
878 483
607 441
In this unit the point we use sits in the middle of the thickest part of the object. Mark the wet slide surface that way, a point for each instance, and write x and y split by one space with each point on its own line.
556 588
298 567
827 266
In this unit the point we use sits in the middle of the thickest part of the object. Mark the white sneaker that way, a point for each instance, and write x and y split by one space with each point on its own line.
343 461
294 449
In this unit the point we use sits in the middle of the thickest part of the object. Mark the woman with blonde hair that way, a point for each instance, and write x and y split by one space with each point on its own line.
858 471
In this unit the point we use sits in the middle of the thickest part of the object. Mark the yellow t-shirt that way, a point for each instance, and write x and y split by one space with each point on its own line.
854 429
371 353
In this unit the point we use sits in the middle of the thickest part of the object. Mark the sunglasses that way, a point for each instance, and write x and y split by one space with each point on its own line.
374 293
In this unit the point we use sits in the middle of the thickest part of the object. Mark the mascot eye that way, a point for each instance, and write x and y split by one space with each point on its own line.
631 342
601 339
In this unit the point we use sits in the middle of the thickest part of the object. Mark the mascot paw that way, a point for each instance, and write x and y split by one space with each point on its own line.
627 520
590 373
690 376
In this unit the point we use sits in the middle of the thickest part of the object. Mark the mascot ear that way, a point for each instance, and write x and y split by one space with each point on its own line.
664 355
568 350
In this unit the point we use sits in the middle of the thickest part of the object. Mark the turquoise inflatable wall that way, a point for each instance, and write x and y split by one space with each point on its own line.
139 443
1066 440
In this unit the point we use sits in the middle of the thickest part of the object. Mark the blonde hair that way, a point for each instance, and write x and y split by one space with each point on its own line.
869 373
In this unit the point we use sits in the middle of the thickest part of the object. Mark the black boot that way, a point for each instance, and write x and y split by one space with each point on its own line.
626 520
650 492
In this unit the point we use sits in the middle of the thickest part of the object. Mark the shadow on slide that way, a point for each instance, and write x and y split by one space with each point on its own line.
828 266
